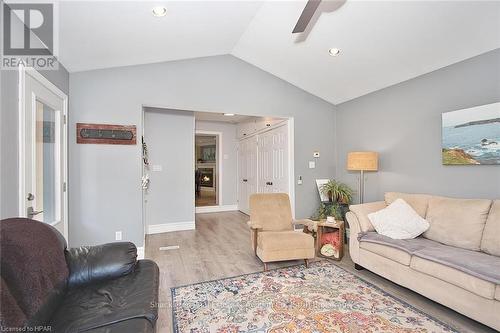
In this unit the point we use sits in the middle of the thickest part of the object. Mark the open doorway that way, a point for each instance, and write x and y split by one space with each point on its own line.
206 169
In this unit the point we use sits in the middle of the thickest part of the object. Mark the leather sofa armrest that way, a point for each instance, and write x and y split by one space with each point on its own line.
88 264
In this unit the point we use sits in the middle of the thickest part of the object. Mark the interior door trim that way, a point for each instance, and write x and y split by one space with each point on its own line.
23 72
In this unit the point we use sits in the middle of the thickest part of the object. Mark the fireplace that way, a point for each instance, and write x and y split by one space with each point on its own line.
207 177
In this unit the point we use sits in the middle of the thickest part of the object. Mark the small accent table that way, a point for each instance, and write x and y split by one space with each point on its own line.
324 228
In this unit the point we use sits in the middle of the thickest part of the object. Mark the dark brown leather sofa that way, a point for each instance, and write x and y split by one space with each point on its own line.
47 287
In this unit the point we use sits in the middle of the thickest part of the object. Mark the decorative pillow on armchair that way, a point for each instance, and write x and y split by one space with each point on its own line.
398 221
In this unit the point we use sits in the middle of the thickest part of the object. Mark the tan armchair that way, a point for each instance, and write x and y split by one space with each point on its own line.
273 235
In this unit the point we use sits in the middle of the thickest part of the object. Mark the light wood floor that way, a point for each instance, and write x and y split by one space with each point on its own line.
220 247
206 198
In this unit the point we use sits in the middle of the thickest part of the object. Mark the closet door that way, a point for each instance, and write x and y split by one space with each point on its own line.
273 161
247 172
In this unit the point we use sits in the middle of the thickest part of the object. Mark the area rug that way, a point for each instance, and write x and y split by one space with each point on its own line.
321 298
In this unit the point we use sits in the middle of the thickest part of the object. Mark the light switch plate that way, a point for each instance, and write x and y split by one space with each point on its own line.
312 164
118 235
226 156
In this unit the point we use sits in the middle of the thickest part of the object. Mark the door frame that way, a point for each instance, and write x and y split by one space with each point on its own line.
219 207
23 71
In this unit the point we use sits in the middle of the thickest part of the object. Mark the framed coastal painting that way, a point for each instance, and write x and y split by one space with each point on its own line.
472 136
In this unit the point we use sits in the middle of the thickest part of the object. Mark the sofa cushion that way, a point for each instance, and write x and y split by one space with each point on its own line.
490 242
457 222
388 252
108 302
362 211
135 325
478 264
407 245
399 221
497 292
451 275
418 202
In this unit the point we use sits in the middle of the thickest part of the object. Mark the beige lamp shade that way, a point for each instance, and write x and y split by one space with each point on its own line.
362 160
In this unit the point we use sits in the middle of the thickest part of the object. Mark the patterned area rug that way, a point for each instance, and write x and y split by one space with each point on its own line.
321 298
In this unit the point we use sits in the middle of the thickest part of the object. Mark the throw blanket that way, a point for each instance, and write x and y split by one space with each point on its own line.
33 271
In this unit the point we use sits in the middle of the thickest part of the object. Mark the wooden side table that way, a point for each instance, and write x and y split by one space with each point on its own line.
324 228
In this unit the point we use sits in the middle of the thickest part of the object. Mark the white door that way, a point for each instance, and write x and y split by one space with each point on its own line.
247 172
273 161
43 158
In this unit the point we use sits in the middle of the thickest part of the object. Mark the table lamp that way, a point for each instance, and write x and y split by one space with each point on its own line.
362 161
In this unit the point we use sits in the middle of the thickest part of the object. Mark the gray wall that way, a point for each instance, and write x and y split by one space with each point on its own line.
170 138
9 175
105 192
230 165
403 123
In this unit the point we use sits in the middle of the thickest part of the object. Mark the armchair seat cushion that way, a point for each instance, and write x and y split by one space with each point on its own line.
109 302
284 245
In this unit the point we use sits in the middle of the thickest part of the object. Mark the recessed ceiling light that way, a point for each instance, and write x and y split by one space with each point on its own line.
229 114
334 52
159 11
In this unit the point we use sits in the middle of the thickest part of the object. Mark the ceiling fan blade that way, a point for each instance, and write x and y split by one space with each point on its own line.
306 16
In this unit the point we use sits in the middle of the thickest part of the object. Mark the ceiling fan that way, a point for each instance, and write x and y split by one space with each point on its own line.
306 16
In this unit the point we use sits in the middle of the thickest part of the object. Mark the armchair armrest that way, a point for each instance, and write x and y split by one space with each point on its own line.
254 225
309 224
88 264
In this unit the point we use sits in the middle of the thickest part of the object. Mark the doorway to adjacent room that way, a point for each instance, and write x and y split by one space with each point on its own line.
207 172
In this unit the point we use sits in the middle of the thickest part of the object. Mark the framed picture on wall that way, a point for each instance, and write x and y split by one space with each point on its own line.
471 136
319 184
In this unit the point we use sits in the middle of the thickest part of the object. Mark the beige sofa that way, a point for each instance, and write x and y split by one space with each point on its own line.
456 262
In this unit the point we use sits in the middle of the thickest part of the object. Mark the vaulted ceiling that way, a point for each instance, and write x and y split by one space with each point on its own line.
382 42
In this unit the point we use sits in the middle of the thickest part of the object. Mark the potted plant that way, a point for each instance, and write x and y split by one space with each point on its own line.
326 210
340 196
337 192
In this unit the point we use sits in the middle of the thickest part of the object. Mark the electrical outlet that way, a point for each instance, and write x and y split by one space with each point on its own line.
118 235
312 164
299 182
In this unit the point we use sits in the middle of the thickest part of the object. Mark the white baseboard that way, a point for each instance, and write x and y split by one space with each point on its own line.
216 209
169 227
140 253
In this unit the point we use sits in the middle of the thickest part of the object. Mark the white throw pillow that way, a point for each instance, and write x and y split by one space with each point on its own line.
398 221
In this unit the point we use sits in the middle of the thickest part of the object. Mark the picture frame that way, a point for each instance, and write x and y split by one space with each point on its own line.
319 184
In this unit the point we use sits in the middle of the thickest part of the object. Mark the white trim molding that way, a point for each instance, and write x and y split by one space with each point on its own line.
22 100
169 227
140 253
216 209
